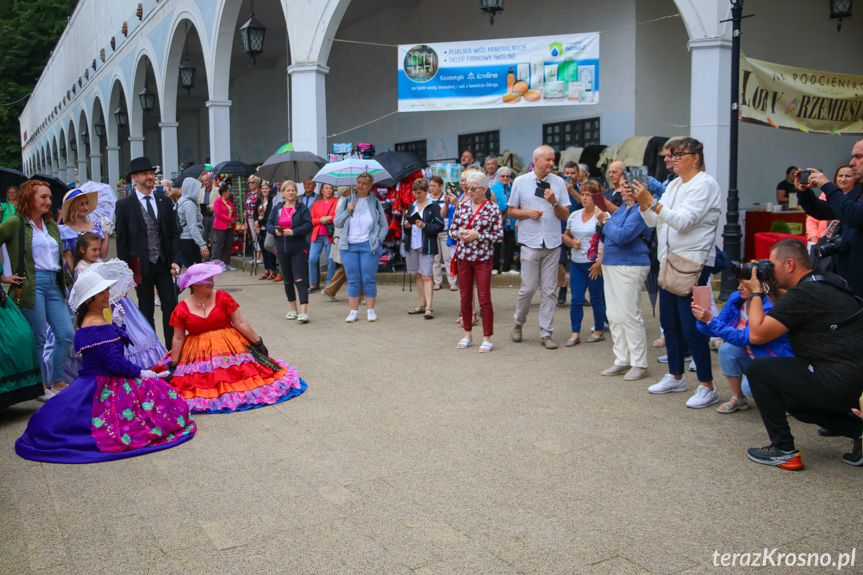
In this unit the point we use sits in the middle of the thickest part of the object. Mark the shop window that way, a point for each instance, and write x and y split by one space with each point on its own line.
482 144
417 148
575 133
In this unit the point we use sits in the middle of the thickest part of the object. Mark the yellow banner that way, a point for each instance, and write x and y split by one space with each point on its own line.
800 99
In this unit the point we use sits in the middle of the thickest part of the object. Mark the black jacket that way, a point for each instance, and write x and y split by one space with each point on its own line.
302 226
132 231
848 209
433 226
262 218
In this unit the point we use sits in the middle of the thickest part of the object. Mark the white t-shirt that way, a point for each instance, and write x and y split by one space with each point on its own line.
583 232
361 222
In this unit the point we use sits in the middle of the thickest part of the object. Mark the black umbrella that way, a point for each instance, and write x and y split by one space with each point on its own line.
296 166
234 168
400 165
190 172
9 177
58 190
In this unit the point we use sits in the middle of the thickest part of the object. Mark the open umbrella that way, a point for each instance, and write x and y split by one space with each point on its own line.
345 172
58 190
400 165
289 147
234 168
295 166
190 172
9 177
107 200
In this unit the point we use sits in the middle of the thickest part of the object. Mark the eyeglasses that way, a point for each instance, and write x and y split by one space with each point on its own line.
678 155
504 176
473 189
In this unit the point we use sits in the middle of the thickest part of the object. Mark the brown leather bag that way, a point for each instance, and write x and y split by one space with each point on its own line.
678 274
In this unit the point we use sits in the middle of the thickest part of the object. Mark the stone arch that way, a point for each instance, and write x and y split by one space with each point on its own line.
704 19
144 126
309 46
143 58
223 45
118 94
174 56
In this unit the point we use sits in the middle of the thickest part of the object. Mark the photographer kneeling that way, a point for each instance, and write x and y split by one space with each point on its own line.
845 241
824 323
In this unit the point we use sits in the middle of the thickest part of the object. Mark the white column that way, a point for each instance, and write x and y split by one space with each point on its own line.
136 147
170 148
113 165
309 107
96 167
710 104
220 130
82 167
70 172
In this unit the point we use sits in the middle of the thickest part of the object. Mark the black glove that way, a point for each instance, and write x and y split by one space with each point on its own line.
259 345
172 367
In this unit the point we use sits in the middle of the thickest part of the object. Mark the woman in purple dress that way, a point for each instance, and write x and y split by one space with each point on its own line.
114 409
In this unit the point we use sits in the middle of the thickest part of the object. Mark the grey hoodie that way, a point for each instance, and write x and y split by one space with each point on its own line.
188 214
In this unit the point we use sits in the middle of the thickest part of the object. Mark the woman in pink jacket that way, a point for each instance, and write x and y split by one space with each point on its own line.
224 216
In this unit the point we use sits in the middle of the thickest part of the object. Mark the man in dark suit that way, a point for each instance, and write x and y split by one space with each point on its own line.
148 240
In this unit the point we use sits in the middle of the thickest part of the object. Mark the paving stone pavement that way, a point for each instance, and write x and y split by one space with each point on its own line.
406 455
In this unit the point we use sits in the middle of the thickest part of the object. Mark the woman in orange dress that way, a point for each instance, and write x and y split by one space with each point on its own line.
218 363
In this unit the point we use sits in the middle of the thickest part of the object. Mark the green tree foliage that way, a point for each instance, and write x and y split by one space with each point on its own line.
29 30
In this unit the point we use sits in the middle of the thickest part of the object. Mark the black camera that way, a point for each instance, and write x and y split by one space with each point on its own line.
831 247
804 177
763 270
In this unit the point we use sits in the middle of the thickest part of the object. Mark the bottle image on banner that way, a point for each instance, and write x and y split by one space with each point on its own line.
510 80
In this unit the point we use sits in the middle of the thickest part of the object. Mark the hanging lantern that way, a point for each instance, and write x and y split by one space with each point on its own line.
840 10
73 145
492 8
122 116
187 74
99 128
147 98
252 35
85 138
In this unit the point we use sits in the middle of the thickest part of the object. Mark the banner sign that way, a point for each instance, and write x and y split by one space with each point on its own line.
800 99
511 73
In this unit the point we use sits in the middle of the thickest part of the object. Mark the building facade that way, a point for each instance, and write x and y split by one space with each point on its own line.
327 74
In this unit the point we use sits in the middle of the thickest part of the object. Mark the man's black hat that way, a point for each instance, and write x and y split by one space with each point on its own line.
141 164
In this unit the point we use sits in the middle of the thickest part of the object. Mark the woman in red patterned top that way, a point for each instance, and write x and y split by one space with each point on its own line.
477 227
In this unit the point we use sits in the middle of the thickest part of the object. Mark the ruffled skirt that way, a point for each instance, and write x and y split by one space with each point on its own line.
104 418
218 373
146 350
20 377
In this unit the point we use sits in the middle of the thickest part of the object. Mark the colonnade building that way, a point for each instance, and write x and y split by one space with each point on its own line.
328 73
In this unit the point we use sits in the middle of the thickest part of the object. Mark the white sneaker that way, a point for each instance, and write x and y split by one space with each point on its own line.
371 315
46 396
494 272
702 397
692 366
668 385
291 315
352 317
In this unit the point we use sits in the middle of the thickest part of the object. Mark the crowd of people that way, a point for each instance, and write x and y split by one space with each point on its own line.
785 338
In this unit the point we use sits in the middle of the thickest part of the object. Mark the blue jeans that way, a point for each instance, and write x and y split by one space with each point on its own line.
50 309
361 269
321 243
678 324
578 280
733 361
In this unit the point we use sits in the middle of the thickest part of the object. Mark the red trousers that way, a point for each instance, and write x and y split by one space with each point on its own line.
481 271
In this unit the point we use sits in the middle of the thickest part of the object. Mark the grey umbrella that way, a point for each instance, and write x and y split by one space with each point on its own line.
296 166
